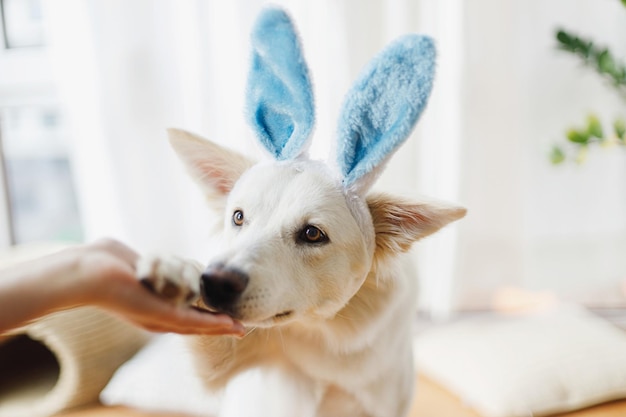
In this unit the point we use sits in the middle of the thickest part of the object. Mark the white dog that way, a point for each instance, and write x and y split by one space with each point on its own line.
308 259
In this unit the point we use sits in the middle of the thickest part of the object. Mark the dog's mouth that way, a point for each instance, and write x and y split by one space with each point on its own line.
205 309
275 319
283 315
201 306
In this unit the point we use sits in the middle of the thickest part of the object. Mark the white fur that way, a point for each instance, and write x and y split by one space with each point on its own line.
345 345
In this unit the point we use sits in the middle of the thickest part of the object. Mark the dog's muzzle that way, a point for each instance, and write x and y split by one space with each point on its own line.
221 287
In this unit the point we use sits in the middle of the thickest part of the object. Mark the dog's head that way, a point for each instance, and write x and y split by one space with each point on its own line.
300 236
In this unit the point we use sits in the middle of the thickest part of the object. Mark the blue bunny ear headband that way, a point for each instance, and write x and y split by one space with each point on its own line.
378 114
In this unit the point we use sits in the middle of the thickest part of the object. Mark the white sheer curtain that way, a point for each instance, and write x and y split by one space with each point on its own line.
532 225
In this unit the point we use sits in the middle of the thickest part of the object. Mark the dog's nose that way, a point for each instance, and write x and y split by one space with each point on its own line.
221 287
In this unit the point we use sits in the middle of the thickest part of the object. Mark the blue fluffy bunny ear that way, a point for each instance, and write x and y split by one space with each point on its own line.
382 108
279 96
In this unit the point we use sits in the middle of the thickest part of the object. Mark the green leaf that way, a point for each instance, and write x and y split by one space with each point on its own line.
605 62
576 136
619 126
587 48
568 41
599 58
624 3
564 37
557 155
594 127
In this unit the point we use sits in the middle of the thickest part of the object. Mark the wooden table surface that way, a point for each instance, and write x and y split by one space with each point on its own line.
431 400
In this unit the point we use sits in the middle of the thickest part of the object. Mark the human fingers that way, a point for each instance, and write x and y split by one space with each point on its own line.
144 308
188 327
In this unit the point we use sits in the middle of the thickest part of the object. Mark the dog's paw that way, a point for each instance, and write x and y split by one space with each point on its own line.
174 279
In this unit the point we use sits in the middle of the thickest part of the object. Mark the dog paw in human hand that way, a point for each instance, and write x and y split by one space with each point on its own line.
174 279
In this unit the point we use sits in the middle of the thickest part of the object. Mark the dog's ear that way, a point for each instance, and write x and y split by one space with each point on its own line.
279 98
382 108
214 167
399 223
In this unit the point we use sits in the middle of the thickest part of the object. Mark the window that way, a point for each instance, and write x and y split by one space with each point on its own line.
21 23
37 197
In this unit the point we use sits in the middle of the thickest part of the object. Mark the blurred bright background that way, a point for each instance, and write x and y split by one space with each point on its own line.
87 89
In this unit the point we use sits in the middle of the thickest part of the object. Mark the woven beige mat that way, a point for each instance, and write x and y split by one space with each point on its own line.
62 361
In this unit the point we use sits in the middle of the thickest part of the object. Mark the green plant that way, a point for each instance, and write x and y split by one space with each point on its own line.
613 71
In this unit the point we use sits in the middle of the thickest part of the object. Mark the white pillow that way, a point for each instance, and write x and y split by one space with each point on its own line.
161 378
532 365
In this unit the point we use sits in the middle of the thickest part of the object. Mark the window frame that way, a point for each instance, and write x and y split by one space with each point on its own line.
26 78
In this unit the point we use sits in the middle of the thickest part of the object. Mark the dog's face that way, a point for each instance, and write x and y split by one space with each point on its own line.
294 246
290 245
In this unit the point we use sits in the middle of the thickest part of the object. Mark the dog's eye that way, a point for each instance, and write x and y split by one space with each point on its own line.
311 234
238 218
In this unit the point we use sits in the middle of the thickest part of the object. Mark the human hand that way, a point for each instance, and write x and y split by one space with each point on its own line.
106 270
101 274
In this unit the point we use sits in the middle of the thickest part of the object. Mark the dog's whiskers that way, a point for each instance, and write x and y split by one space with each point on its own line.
282 340
250 331
344 316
